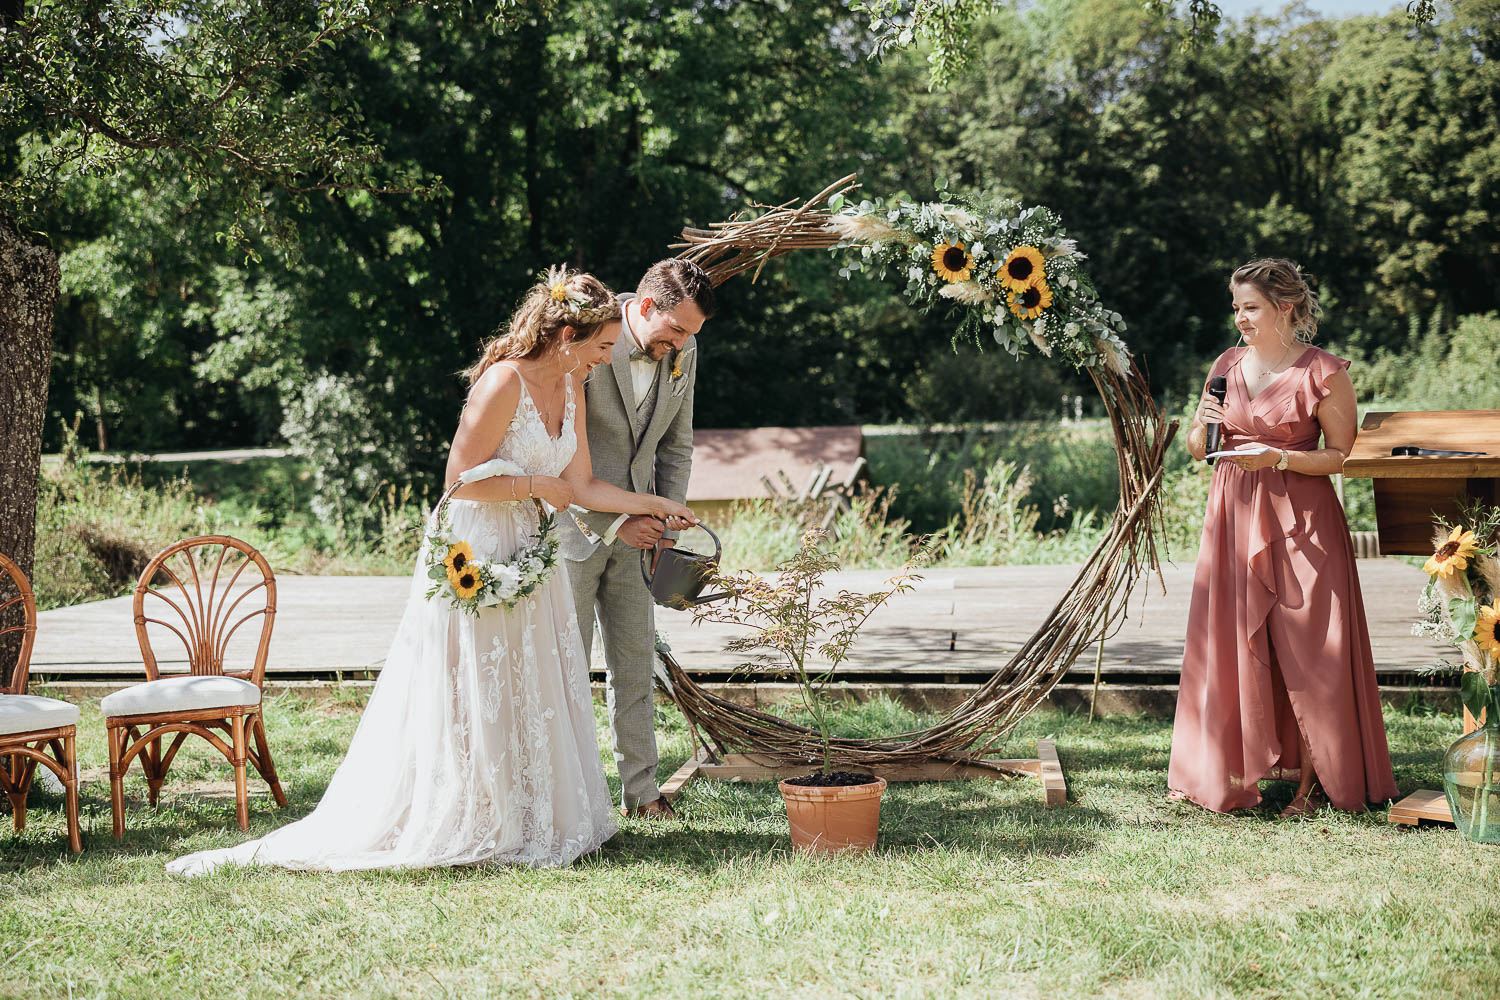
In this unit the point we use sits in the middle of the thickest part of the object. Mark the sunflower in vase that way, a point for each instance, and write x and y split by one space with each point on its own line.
1460 605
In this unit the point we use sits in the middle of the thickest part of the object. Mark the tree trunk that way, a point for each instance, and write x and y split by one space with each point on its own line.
28 297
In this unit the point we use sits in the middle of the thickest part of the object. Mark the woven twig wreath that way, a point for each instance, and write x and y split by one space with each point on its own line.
1095 602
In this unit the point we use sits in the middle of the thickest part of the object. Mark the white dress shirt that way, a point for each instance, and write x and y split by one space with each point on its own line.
643 372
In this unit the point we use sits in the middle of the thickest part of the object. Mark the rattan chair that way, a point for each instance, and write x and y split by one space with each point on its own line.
195 584
30 725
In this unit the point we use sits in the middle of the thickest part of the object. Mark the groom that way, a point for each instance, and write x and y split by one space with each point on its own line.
640 427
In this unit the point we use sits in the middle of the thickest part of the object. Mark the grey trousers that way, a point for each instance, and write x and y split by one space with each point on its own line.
608 583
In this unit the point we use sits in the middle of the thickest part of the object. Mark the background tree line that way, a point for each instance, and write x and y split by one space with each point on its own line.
1368 149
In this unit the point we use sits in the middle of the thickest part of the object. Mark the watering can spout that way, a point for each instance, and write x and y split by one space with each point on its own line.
676 578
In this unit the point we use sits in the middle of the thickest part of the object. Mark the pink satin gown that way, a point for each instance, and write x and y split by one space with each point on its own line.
1276 631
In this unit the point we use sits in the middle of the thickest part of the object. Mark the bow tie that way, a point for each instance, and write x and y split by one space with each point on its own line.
640 355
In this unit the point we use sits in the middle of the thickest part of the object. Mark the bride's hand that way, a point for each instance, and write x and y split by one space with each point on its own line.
666 510
556 492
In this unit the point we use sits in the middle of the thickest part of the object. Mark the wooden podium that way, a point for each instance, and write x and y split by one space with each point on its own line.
1412 491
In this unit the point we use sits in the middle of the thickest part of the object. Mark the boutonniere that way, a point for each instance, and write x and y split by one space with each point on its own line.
676 365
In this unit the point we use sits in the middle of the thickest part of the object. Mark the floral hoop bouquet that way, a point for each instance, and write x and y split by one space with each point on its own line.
468 583
1014 267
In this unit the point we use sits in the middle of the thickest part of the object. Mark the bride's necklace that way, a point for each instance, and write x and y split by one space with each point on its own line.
544 408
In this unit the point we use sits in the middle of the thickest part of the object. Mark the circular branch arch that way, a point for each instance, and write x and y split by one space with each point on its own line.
1092 607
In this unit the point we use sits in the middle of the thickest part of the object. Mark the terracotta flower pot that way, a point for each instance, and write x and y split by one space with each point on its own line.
833 820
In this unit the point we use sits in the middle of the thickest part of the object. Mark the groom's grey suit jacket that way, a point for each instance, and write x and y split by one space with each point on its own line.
647 449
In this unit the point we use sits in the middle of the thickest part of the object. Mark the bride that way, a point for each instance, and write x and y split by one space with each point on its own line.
478 743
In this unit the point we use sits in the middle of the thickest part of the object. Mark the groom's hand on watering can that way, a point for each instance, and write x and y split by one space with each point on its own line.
641 531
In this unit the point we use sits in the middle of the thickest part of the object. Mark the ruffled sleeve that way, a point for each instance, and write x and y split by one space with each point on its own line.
1322 368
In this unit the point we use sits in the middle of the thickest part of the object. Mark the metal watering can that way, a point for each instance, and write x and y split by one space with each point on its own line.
676 577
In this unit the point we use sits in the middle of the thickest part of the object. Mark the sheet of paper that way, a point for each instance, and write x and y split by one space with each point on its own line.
1242 451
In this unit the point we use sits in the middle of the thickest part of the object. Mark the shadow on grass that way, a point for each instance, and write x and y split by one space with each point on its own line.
1116 772
174 827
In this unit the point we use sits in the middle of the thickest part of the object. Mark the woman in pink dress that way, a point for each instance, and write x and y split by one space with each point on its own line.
1277 672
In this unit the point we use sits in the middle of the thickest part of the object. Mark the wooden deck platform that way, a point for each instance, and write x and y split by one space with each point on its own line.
955 628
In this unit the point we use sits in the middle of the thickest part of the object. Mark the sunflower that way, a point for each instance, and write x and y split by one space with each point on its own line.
459 556
951 261
1453 554
466 582
1487 629
1029 302
1022 268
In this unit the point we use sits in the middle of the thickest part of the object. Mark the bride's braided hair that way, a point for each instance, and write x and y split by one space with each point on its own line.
566 298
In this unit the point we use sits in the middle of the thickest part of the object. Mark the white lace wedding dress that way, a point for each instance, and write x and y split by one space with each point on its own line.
478 743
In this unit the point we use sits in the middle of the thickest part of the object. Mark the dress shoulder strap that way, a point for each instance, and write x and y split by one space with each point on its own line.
525 392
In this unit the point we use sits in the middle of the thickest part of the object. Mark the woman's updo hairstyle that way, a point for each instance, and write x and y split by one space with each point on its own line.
1281 282
565 299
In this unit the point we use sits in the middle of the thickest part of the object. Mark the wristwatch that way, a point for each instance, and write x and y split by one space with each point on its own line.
1285 457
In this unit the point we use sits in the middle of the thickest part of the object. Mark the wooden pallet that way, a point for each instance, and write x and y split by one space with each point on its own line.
1423 806
746 767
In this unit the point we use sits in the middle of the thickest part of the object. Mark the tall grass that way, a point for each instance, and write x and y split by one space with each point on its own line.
996 524
1072 468
99 525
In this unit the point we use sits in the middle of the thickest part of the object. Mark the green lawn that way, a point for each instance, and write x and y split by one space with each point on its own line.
976 891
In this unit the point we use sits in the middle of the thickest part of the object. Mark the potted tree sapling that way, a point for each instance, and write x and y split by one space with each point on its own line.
790 624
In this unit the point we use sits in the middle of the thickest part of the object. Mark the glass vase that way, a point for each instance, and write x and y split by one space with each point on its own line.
1471 779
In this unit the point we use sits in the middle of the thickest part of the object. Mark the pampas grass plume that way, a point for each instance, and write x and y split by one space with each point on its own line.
970 293
863 228
1114 356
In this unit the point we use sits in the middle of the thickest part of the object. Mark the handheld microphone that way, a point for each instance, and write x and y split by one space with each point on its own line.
1218 387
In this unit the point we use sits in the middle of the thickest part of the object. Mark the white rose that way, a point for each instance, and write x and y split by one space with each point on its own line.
507 580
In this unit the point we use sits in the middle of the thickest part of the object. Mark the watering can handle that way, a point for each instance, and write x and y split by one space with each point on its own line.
655 550
650 575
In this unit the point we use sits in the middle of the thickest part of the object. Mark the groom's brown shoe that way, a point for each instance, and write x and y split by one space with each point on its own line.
660 809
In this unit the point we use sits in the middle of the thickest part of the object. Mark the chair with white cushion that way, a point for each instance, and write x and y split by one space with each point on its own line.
200 589
33 730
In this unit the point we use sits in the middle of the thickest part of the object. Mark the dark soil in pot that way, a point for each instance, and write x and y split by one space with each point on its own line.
834 779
